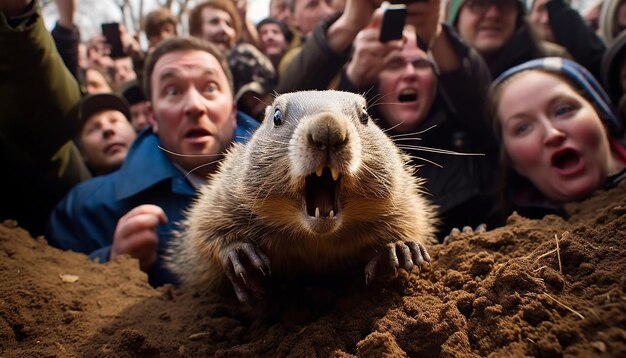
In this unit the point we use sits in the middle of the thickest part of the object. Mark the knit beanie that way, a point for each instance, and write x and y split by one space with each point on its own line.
579 77
454 7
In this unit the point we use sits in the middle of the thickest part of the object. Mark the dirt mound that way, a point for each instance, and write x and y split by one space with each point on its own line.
533 288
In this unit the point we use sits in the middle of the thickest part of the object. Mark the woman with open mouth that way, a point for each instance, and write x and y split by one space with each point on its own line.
436 116
560 138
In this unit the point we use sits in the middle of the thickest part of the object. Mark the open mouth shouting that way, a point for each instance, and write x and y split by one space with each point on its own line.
197 135
407 95
567 161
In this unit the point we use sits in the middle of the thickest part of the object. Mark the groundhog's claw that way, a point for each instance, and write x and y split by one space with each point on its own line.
241 273
397 255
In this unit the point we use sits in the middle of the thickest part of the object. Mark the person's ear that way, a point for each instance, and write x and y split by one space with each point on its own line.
233 115
151 119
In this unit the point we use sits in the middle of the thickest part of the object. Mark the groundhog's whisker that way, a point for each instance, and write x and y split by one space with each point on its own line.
376 100
373 100
202 166
412 133
260 100
425 160
435 150
189 155
409 139
381 103
366 94
373 173
392 128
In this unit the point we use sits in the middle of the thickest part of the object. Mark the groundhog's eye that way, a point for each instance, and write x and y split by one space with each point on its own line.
363 116
278 117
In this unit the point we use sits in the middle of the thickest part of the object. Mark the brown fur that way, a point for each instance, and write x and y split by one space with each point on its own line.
257 195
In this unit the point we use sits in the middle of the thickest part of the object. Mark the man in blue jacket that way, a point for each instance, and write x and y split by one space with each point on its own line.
134 210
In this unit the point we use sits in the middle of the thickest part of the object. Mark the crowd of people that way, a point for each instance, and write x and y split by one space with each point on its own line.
502 106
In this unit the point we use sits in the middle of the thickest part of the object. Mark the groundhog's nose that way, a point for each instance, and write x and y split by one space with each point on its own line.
328 132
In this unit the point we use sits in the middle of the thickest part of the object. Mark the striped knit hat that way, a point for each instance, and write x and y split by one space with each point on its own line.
581 78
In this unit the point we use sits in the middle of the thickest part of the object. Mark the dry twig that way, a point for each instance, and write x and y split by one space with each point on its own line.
558 251
565 306
546 254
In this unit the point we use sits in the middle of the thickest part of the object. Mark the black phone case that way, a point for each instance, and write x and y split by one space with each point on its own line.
393 23
111 32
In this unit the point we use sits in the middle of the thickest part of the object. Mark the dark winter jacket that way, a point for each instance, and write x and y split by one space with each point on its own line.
315 66
66 40
38 117
571 31
611 65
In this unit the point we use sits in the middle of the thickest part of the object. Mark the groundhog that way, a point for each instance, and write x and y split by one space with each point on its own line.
319 188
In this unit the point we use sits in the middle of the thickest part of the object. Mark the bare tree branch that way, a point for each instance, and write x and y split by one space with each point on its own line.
140 17
133 19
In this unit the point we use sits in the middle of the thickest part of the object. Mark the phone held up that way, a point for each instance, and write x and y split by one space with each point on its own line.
393 22
111 31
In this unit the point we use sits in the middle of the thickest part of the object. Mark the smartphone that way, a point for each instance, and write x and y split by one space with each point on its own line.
393 22
111 31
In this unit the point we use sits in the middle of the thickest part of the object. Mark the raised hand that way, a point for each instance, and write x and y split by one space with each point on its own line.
136 235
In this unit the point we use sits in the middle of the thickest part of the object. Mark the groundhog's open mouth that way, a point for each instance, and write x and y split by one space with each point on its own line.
321 193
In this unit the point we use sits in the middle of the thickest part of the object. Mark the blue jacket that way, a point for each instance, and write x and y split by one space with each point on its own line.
85 220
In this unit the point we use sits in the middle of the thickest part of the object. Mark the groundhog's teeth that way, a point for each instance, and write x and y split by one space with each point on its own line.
335 173
317 212
319 171
331 214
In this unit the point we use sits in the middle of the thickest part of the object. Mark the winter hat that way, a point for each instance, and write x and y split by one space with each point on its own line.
252 71
132 92
272 20
94 103
454 7
580 77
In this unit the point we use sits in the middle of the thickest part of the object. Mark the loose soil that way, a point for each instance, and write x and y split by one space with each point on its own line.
546 288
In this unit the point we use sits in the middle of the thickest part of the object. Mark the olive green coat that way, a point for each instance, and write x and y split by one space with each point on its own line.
38 117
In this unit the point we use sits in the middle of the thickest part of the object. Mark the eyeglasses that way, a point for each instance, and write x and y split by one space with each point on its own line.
479 7
419 63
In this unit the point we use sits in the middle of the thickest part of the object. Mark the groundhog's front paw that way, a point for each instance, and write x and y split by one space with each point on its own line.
400 254
245 266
